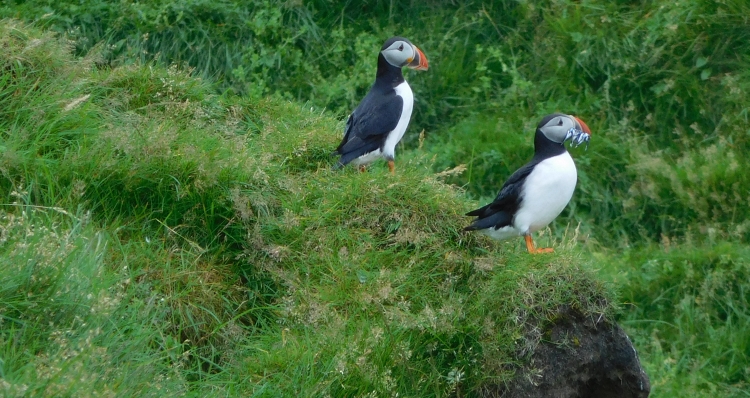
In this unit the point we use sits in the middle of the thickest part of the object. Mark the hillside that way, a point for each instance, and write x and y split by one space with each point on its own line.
159 239
169 224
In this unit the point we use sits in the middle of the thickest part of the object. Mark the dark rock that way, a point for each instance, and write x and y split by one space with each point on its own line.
579 357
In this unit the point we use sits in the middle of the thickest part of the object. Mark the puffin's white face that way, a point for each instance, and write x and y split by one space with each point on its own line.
557 128
399 53
560 128
402 53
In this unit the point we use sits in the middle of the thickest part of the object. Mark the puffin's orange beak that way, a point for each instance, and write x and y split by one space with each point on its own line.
419 62
578 137
584 127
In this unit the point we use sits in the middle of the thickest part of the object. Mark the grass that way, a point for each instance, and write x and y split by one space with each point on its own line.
232 197
696 328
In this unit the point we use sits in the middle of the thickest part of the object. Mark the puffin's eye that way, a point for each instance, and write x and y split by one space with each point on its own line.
401 48
560 123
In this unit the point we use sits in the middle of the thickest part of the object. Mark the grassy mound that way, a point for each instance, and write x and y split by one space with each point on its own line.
158 239
162 170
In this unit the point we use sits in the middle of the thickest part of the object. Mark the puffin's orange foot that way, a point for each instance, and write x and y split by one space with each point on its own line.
362 168
392 167
533 250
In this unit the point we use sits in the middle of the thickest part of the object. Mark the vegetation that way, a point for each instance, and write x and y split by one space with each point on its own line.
160 239
162 233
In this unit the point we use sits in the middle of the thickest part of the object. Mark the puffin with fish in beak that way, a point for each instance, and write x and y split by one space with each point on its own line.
538 192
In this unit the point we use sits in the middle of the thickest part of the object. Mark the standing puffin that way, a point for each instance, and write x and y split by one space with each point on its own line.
536 193
380 120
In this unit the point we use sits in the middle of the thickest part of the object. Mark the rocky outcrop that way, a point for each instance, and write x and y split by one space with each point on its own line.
582 358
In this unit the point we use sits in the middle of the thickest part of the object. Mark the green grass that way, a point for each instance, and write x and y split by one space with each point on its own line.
255 270
695 330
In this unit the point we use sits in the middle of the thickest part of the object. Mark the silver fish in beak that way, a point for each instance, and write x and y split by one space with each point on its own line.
579 134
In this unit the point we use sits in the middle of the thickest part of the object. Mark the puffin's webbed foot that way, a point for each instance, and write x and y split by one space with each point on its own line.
533 250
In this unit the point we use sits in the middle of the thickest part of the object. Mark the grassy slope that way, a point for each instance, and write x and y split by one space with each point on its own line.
157 239
662 195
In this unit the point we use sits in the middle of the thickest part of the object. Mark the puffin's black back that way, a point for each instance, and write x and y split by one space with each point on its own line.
369 124
499 213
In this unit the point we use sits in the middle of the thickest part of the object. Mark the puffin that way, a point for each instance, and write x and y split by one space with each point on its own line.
380 120
537 193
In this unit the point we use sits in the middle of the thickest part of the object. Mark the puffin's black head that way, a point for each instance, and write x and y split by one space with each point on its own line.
559 128
399 52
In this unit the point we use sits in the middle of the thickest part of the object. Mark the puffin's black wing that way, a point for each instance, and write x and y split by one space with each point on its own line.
500 212
369 125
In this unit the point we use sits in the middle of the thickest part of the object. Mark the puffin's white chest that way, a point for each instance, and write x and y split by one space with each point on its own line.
404 91
547 190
